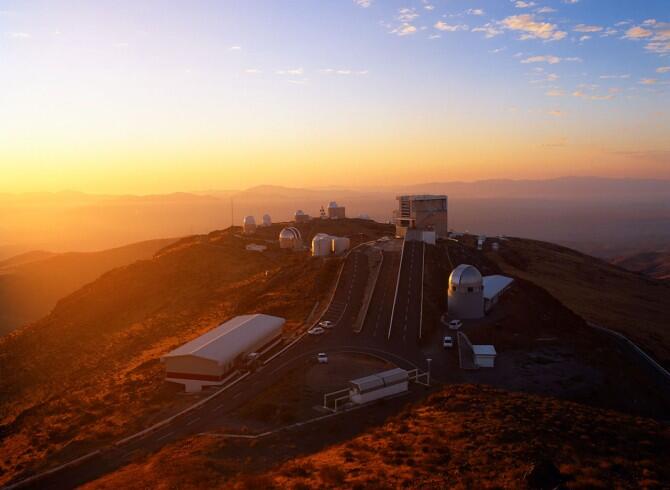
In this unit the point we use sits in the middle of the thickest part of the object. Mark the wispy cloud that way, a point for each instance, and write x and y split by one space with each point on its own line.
363 3
530 28
663 69
587 28
443 26
291 71
552 60
489 29
19 35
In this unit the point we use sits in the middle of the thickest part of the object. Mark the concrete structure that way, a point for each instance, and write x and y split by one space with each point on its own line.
321 245
494 287
466 293
339 244
249 225
425 236
254 247
290 238
380 385
267 220
422 212
474 356
484 355
495 246
335 211
209 359
301 217
481 240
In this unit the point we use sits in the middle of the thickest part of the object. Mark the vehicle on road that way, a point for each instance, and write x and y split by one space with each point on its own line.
326 324
322 358
316 331
455 324
447 342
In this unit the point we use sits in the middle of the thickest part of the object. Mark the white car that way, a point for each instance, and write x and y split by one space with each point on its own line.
447 342
316 331
455 324
322 358
326 324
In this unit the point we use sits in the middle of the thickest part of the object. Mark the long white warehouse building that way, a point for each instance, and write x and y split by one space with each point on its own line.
208 359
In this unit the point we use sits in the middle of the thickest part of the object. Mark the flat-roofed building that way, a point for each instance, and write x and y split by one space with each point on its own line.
335 211
210 358
425 212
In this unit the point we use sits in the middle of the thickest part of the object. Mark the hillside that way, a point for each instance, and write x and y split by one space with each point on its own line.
32 283
601 293
464 436
89 371
652 264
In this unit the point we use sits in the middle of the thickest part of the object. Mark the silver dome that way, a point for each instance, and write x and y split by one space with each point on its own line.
249 220
465 275
289 234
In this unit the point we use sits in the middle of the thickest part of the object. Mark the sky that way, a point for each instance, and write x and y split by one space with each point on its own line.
161 96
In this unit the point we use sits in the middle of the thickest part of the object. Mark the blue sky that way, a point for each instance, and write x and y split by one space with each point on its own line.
95 92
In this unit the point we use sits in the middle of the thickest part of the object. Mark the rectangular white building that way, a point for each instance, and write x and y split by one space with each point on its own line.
210 358
484 355
380 385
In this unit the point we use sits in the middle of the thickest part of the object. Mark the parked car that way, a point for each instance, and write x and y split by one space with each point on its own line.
326 324
316 331
455 324
447 342
322 358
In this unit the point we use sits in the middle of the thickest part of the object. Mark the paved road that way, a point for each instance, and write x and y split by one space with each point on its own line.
404 326
375 327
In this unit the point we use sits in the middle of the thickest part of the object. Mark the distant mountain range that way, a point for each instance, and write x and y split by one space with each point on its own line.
604 216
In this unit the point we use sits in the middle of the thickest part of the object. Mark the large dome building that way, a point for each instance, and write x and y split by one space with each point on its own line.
290 238
466 293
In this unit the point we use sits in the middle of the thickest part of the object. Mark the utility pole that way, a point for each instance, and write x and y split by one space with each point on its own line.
428 375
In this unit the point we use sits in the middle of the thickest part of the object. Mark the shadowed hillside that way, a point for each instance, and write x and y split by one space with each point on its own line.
652 264
89 372
624 301
31 283
461 437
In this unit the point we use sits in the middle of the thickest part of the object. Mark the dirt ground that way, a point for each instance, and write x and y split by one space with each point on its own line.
298 395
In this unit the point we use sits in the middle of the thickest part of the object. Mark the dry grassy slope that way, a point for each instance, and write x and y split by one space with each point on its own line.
32 283
89 372
462 437
624 301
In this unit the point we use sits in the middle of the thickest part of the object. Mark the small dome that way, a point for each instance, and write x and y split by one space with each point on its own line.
465 275
332 204
267 219
249 220
299 212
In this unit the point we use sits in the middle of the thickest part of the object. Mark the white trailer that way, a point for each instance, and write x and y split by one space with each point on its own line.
380 385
